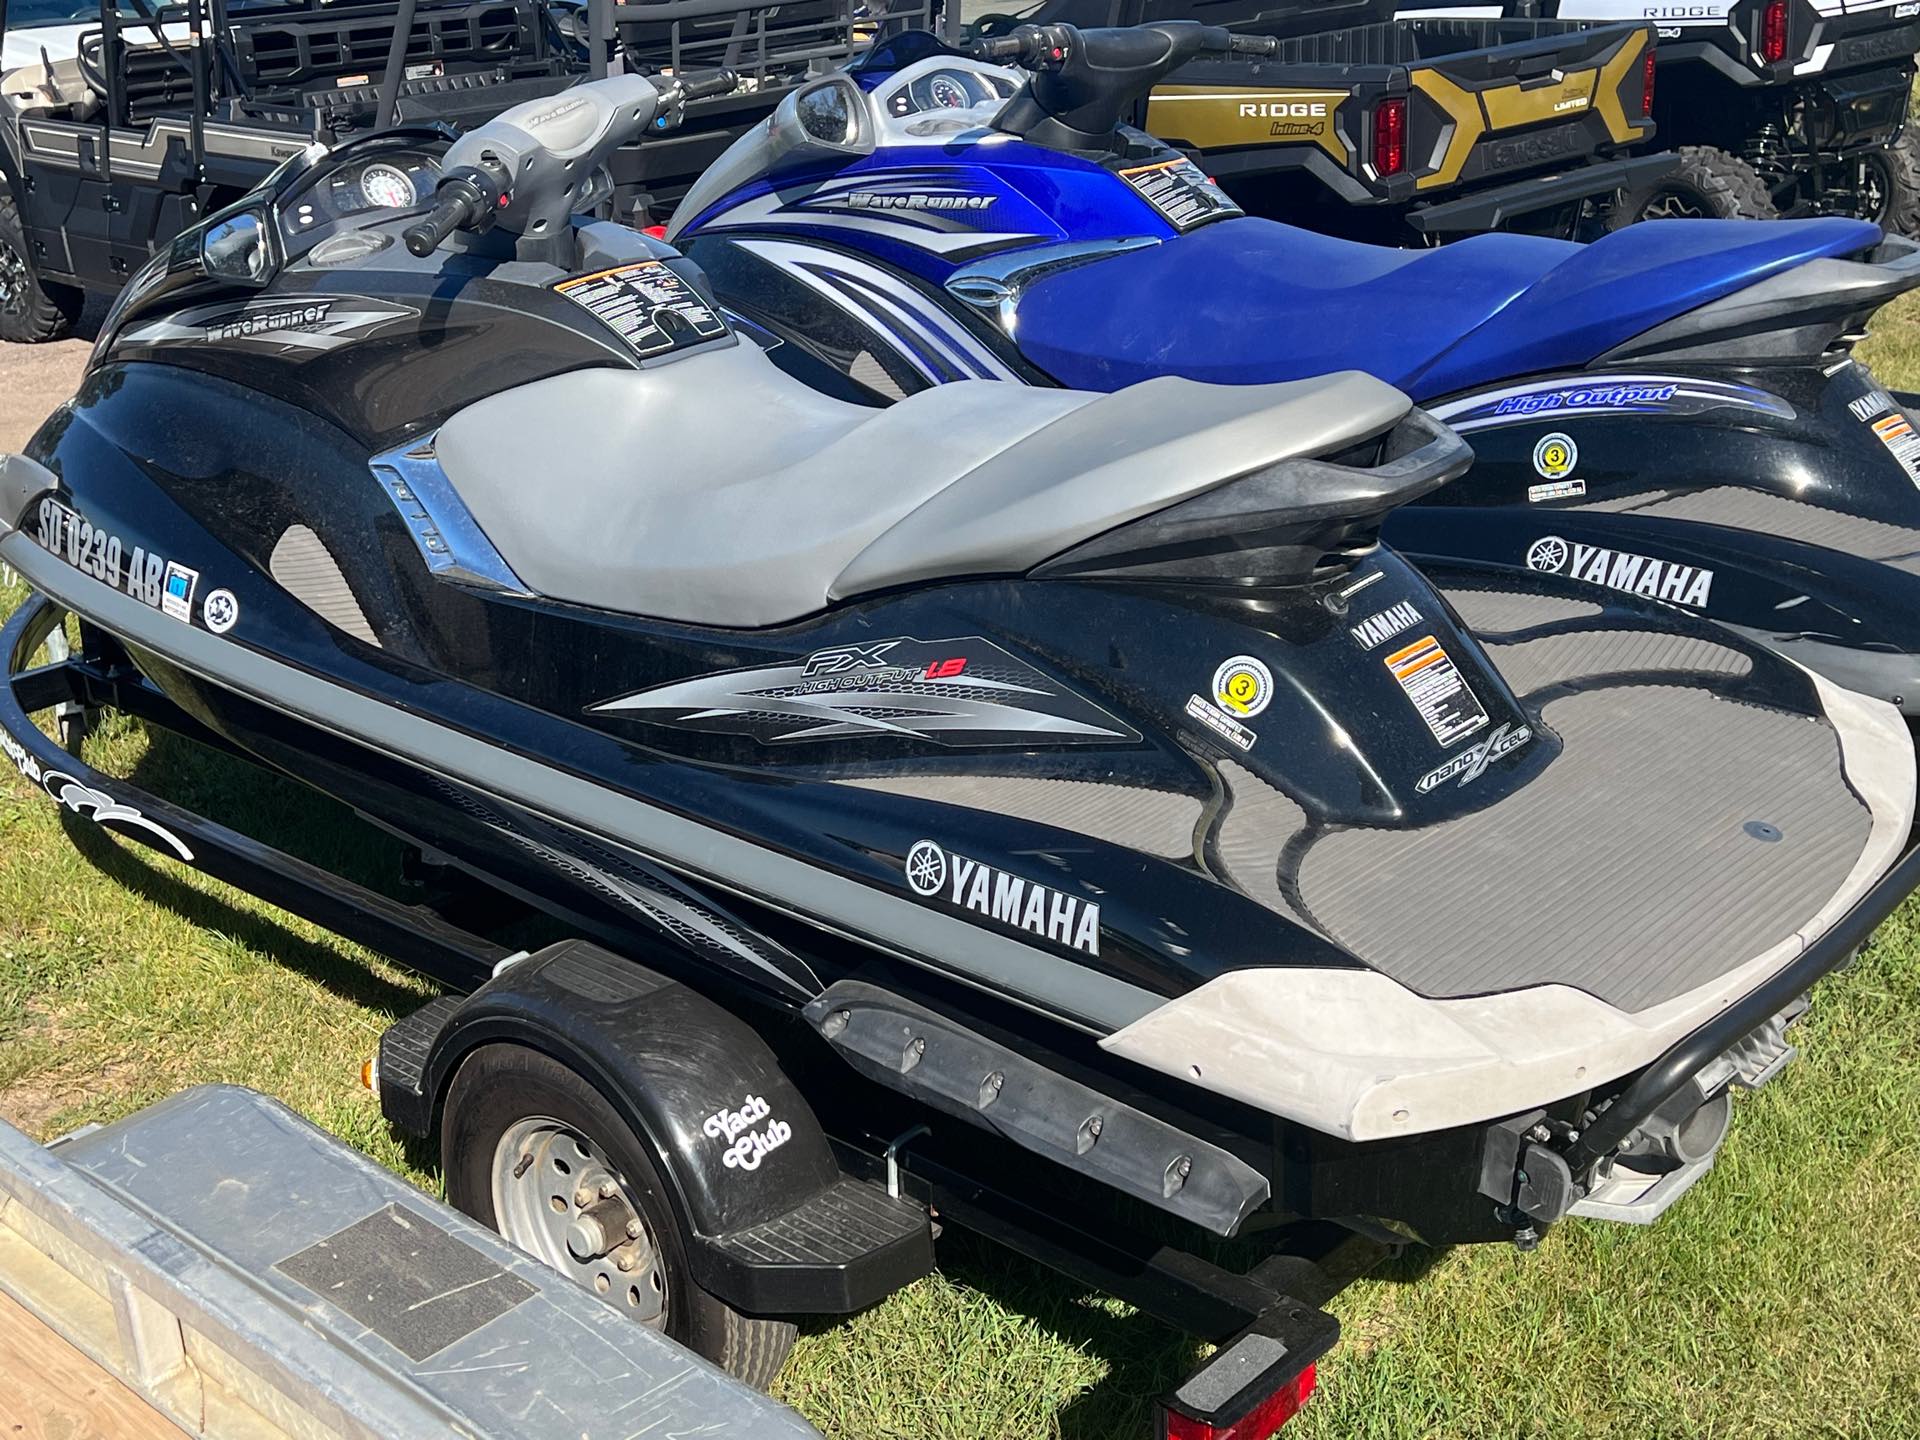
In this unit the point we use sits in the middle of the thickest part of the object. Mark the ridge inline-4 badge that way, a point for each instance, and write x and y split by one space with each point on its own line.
965 691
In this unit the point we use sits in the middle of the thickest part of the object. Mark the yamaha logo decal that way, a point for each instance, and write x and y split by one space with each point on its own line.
926 868
934 873
1687 585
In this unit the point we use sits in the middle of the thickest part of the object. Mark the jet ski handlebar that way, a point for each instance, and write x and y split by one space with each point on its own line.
1084 81
532 167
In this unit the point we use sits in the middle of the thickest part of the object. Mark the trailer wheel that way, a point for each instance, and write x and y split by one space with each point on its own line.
1708 184
1887 186
536 1153
31 309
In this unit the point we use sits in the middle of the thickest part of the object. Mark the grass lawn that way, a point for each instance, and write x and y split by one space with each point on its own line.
1777 1300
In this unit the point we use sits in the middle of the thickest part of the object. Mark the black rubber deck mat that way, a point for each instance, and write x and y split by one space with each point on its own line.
1764 514
1530 666
1498 612
1678 836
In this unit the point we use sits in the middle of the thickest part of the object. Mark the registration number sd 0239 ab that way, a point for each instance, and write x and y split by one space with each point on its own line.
93 551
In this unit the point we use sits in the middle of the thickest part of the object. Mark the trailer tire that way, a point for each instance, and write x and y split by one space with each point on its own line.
501 1086
1895 171
32 310
1708 184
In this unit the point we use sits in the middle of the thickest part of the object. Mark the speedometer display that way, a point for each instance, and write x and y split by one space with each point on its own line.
948 92
388 187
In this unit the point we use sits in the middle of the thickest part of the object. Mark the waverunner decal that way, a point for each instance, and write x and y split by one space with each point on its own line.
934 872
1604 395
291 329
953 692
1669 580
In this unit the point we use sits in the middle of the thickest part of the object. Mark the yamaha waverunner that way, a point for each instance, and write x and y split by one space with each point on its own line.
1671 411
1050 809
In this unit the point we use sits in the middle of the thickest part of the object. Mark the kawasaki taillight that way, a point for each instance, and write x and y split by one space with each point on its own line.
1390 137
1773 32
1646 90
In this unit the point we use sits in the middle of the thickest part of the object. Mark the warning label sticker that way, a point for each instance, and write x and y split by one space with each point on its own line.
1437 689
646 305
1181 192
1896 433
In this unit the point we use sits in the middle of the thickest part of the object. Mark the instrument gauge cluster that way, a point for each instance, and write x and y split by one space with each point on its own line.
379 186
946 89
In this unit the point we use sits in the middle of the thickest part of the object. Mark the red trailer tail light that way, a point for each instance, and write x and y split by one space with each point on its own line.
1773 32
1646 90
1390 137
1258 1423
1263 1419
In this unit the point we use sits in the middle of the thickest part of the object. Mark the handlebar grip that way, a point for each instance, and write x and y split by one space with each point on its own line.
1032 47
719 83
458 205
1252 44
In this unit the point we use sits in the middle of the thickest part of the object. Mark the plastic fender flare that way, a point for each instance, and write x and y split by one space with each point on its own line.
690 1079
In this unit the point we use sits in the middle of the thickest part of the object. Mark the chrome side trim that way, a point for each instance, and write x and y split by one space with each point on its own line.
450 539
995 283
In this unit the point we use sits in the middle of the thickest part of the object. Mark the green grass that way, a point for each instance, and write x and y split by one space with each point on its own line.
1778 1300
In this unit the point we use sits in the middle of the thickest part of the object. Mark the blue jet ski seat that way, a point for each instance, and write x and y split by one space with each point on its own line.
1245 301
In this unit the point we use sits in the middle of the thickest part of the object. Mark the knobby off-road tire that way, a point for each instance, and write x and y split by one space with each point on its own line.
1896 172
498 1087
31 310
1708 184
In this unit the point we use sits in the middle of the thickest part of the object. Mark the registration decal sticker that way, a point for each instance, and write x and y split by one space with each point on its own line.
1437 689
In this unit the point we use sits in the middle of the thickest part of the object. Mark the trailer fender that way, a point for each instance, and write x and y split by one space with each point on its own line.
737 1142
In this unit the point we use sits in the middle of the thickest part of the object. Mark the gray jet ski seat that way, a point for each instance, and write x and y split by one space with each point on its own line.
718 490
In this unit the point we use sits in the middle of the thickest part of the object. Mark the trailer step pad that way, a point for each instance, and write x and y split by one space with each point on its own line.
809 1251
226 1259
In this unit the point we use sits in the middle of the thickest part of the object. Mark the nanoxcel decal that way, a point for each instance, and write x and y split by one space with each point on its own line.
1687 585
961 692
1470 764
292 329
1383 625
1571 396
934 872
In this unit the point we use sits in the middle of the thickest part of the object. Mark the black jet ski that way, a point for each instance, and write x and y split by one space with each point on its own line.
1052 811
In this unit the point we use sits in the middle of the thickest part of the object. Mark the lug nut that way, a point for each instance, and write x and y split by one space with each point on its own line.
608 1189
584 1196
627 1260
634 1227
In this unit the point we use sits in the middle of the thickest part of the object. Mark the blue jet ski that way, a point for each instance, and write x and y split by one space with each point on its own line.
1672 411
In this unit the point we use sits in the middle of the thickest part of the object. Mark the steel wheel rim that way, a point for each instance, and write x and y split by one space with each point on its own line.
14 281
555 1196
1673 205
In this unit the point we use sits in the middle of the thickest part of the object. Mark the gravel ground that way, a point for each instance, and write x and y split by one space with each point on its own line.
36 378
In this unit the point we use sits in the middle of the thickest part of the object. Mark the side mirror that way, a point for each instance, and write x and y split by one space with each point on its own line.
240 249
825 120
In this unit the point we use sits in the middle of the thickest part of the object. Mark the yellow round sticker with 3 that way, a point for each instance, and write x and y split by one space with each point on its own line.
1243 686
